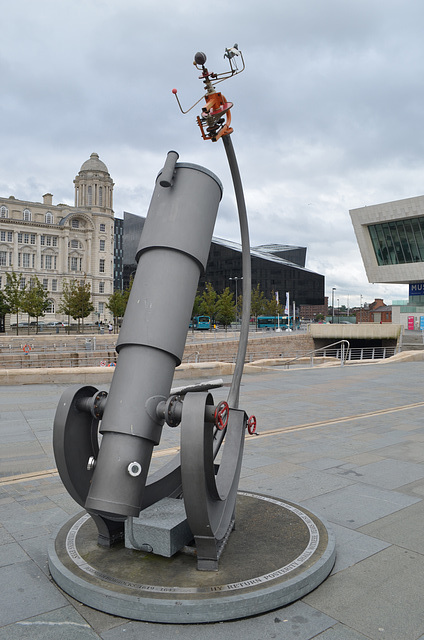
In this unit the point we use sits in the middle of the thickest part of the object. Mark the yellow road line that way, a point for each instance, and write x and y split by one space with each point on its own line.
37 475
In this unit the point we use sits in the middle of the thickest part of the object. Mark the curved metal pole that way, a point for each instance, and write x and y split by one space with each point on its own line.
234 393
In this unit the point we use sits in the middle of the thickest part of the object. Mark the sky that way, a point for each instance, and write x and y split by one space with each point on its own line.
327 115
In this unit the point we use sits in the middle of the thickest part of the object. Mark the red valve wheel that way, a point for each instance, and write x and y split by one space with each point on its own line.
221 415
251 425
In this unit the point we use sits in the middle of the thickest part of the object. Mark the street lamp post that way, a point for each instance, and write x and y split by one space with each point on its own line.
236 278
332 305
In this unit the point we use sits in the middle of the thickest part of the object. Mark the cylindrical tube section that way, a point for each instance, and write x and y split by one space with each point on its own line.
173 250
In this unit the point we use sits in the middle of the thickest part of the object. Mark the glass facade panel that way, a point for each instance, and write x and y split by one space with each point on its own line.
225 262
398 241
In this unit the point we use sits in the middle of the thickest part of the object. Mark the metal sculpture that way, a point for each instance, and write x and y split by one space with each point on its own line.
111 480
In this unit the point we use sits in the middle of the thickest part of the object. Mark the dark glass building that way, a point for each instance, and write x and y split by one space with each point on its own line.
118 256
274 267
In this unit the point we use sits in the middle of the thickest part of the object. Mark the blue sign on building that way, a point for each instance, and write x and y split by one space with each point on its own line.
416 289
422 323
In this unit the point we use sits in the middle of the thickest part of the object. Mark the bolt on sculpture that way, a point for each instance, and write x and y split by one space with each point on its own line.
111 480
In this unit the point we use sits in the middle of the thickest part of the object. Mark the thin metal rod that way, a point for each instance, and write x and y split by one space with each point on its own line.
234 393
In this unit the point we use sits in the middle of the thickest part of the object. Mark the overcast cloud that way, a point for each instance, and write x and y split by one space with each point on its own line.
327 116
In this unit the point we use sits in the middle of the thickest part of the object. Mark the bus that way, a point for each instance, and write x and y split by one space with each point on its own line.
273 322
201 323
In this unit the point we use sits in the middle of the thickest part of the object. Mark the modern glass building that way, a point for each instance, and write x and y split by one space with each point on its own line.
274 267
391 241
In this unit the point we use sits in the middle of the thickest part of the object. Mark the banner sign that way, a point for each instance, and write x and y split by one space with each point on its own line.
416 289
411 323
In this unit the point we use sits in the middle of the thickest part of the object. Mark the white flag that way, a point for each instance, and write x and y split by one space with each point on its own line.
287 307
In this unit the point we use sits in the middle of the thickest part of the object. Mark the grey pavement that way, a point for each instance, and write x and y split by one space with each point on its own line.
346 442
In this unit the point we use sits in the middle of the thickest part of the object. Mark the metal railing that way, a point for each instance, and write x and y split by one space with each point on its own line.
340 353
84 355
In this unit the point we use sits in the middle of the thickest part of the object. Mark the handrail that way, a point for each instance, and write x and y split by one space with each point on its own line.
344 351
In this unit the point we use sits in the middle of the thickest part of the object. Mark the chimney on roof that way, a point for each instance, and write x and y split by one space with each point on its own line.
48 198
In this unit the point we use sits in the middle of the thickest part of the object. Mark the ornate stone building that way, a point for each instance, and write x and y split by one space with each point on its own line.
60 242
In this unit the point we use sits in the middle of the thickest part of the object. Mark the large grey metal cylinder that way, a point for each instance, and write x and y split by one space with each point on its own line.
173 249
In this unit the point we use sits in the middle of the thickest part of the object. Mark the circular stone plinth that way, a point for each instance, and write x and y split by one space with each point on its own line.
277 553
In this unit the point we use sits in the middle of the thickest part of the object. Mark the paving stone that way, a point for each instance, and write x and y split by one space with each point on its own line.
28 593
403 528
388 474
60 624
11 553
352 547
380 597
358 504
341 632
365 475
295 622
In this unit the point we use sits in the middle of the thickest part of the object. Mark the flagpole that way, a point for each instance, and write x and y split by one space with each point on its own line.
277 299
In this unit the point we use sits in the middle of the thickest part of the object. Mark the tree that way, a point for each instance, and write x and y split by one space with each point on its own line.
209 303
117 304
257 304
14 292
35 301
225 308
272 307
4 308
197 309
76 301
82 302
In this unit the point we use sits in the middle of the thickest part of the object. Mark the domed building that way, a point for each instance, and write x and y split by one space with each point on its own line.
59 243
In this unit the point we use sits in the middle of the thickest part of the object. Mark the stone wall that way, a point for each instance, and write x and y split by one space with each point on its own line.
55 351
268 346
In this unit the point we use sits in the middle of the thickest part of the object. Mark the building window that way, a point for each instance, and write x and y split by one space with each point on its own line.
4 212
49 217
102 227
33 260
74 264
48 241
398 241
50 308
2 258
54 285
20 236
10 236
89 196
45 284
3 236
101 308
101 287
27 215
74 244
32 238
48 262
75 223
102 245
25 260
26 238
54 241
22 284
100 196
102 265
42 240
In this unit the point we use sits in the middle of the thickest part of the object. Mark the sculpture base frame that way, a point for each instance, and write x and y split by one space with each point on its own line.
278 552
